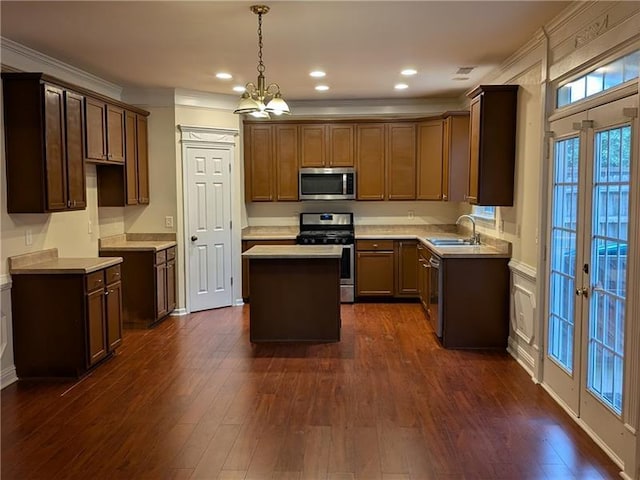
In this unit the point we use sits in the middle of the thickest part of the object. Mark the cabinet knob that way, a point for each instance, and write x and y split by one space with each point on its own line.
375 245
444 197
193 238
106 292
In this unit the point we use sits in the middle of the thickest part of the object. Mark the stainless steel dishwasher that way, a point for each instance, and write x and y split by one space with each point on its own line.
435 294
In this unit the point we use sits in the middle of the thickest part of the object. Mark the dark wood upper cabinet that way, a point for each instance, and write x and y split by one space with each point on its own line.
44 135
313 145
429 174
401 161
341 145
370 161
326 145
105 132
455 156
492 138
129 185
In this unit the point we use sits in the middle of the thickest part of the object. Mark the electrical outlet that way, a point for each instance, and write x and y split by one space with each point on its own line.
410 214
168 222
28 237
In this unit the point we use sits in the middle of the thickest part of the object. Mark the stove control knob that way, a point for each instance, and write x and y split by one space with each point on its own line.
324 240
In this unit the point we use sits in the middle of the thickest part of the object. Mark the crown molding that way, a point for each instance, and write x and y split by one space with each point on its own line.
20 57
195 98
569 13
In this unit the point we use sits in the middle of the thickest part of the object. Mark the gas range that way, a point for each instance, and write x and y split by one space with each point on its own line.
332 229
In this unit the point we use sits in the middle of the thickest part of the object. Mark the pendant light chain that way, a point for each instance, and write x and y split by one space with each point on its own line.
260 64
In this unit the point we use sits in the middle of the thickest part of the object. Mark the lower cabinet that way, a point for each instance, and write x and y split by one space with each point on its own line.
246 245
406 253
65 324
423 255
149 287
375 268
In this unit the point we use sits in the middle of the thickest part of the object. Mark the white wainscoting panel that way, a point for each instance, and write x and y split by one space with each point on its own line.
523 343
7 366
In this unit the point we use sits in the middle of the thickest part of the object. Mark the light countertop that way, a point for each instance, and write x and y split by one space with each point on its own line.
47 262
137 242
293 251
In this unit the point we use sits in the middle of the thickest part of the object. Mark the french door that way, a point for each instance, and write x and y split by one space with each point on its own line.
591 164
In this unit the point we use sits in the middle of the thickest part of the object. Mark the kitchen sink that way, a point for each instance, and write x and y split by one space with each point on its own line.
450 242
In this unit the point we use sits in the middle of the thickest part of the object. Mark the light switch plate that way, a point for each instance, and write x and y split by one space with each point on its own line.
168 222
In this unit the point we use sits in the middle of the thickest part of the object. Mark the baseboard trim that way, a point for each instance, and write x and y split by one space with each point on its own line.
605 448
178 312
521 356
239 302
8 376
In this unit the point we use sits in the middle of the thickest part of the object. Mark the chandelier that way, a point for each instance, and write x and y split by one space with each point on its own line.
258 100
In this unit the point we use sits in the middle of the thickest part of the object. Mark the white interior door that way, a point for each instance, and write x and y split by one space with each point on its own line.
587 266
208 227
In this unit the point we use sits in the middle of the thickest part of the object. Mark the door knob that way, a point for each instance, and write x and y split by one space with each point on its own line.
193 238
582 291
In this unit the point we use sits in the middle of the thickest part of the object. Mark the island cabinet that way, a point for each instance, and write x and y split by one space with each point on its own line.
105 132
118 186
271 162
64 324
492 137
44 135
149 283
375 268
327 145
246 245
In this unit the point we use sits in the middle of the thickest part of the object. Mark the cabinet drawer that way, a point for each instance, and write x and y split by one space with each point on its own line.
374 245
161 257
171 253
113 274
95 280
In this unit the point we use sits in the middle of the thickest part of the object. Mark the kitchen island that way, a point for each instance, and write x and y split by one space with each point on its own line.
295 293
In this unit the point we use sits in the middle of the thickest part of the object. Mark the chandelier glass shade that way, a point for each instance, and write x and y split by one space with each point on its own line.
260 99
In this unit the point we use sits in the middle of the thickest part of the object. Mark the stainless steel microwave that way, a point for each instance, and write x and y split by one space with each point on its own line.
327 184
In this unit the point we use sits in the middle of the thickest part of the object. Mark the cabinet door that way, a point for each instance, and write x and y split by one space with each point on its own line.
96 128
115 134
142 150
259 165
474 152
401 162
374 274
407 266
97 338
430 172
131 158
370 156
114 315
313 146
423 281
341 151
74 126
246 245
286 158
171 285
161 290
455 158
55 148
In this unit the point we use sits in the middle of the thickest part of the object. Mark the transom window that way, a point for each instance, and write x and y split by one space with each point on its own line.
599 80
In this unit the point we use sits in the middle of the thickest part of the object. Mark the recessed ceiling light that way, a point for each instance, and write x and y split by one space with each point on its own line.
322 88
408 72
464 70
401 86
317 74
224 75
239 88
462 79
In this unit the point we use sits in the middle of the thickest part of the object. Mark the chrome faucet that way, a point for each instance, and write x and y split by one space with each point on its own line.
475 238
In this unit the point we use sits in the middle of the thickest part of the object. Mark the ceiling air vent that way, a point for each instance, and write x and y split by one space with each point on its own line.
464 70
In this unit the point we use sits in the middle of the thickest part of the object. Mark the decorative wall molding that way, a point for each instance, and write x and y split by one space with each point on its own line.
523 270
198 135
26 59
592 31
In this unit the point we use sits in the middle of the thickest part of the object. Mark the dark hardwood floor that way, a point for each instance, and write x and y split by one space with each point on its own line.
193 399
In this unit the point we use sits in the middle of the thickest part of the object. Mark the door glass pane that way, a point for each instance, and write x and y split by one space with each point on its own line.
612 150
564 206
